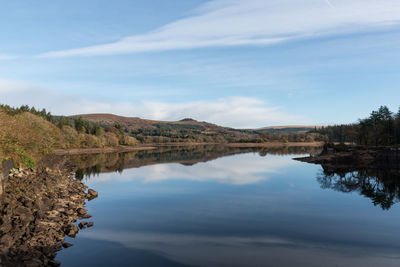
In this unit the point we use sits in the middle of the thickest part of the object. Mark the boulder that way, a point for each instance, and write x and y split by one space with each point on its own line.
82 225
91 194
66 245
81 211
72 230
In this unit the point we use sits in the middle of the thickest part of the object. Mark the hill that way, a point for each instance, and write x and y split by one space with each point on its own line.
287 129
186 130
27 134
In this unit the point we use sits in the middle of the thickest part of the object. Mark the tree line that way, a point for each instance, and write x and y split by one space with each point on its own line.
381 128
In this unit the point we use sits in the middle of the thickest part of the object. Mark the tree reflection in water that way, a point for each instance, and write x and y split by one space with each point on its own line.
382 186
91 165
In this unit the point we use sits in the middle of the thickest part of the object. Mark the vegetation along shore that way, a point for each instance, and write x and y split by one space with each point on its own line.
373 142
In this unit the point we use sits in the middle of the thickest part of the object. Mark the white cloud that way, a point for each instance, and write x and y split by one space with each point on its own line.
234 111
7 56
7 86
237 170
256 22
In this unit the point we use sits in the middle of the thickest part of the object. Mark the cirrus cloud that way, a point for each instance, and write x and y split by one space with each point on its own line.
257 22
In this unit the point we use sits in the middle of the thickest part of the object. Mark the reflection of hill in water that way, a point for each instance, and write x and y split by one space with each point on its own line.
88 165
382 186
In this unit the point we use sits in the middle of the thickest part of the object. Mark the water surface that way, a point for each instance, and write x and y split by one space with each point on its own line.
233 207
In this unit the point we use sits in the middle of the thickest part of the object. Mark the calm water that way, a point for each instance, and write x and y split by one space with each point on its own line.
219 208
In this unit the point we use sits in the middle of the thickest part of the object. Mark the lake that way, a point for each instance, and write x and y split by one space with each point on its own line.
233 207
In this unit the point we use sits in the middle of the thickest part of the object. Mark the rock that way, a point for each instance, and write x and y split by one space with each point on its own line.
66 245
69 212
81 211
54 263
86 216
72 230
6 240
90 224
37 211
82 225
34 263
91 194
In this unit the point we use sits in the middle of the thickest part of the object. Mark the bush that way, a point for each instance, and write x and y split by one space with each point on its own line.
129 141
110 139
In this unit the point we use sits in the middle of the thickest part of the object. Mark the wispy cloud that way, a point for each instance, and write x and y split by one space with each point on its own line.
7 56
8 87
233 111
257 22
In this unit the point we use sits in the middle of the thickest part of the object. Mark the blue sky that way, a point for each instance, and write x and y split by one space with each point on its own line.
233 62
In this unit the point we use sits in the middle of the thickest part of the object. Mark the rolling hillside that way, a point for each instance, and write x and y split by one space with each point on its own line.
186 130
287 129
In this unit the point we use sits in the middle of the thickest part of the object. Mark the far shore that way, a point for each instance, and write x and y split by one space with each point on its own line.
151 146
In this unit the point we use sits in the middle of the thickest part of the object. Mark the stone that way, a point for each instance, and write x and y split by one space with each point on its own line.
6 240
72 230
90 224
66 245
38 209
53 263
82 225
81 211
91 194
34 263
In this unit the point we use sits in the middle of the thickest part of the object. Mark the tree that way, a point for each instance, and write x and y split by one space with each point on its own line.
63 122
79 124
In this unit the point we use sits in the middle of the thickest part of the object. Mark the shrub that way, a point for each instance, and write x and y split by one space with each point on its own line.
129 141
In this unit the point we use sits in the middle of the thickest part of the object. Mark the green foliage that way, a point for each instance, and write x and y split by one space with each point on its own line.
79 124
25 108
27 160
63 122
381 128
120 128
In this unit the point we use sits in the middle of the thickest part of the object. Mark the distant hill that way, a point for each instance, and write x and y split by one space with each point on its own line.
287 129
185 130
136 123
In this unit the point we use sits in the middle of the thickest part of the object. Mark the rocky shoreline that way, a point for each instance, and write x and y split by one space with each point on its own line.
38 209
375 158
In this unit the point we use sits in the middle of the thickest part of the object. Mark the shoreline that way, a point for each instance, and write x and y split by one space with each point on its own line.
40 208
78 151
152 146
357 158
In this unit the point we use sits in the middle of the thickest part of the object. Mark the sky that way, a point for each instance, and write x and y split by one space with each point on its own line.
237 63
